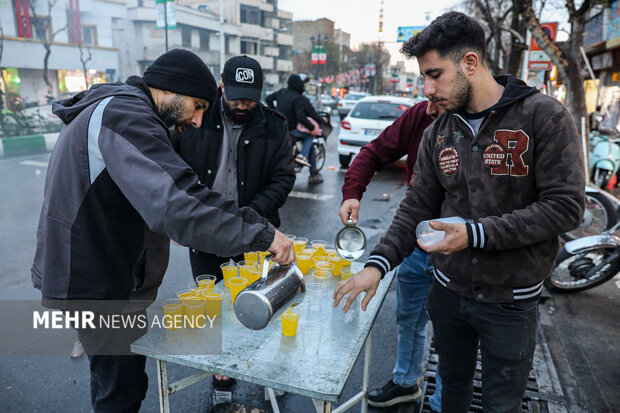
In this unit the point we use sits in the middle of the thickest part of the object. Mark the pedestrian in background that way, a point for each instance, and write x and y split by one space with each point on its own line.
115 193
415 273
508 159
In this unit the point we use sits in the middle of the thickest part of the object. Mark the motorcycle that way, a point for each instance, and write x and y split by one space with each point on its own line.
599 215
604 158
319 143
586 262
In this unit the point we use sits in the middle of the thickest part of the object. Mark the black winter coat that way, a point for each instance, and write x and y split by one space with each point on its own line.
265 174
293 104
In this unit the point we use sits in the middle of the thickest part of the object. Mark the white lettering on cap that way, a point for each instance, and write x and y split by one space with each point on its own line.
244 75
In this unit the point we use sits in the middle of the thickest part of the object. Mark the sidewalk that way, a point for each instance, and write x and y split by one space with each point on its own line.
25 145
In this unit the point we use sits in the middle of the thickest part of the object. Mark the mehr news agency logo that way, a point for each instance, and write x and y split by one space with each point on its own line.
58 319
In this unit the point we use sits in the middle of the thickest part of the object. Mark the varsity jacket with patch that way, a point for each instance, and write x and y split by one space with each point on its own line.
520 179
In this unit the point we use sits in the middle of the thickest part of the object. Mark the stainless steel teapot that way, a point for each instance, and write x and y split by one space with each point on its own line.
267 298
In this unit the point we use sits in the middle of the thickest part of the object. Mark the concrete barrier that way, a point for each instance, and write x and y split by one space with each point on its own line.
25 145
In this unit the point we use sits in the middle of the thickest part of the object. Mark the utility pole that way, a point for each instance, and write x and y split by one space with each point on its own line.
166 22
222 39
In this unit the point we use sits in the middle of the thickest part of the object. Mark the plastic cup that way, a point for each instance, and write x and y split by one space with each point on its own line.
245 267
322 276
261 256
299 244
213 304
324 265
319 244
304 308
254 275
304 263
330 250
195 311
251 256
173 314
228 271
289 321
338 264
194 287
185 295
206 282
311 332
316 292
346 274
236 285
291 236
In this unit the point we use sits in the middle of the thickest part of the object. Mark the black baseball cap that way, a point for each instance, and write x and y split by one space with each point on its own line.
242 78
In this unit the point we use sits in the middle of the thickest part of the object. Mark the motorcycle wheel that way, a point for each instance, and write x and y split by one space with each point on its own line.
571 271
599 215
319 149
600 177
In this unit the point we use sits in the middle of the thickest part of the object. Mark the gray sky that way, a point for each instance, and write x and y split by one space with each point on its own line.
361 17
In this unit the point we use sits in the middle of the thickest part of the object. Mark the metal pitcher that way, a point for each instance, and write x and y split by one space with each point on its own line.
267 298
350 241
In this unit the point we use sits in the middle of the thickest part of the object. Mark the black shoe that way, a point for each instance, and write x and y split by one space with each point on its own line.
391 394
315 179
223 384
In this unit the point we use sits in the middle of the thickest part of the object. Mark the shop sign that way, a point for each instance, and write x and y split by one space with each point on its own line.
602 61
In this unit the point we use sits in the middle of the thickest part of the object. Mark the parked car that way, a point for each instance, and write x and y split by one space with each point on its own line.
346 103
366 121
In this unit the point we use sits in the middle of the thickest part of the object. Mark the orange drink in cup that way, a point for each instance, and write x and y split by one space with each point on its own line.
289 321
245 267
324 265
213 304
195 311
299 244
251 256
338 264
206 282
173 313
228 271
254 275
261 256
236 285
304 263
320 247
184 295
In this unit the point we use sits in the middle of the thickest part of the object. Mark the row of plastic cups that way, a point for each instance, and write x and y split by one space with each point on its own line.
334 264
191 309
255 256
249 270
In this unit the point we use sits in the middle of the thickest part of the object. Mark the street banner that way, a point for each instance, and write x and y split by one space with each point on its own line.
315 55
169 14
405 33
322 55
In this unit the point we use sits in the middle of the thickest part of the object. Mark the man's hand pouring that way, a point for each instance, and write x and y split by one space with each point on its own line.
281 249
366 280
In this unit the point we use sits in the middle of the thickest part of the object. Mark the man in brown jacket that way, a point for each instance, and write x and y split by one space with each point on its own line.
507 159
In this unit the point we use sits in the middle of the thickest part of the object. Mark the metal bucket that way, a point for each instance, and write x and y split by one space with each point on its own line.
267 298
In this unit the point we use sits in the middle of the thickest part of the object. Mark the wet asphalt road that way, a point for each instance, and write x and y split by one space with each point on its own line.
582 329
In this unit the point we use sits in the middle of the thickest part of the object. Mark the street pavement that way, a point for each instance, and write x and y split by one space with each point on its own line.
580 330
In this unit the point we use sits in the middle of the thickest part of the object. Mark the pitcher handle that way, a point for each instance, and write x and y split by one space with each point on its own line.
266 262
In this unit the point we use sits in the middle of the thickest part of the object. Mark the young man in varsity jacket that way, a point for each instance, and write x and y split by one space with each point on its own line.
507 158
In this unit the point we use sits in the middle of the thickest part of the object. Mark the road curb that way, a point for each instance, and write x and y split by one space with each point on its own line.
25 145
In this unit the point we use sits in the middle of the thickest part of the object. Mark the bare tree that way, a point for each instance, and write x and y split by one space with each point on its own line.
45 34
567 56
85 57
373 53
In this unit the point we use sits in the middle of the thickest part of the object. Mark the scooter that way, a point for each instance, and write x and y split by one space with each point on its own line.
599 215
586 262
319 143
604 158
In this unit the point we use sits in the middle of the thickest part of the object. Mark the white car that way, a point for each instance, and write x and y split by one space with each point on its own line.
366 121
346 103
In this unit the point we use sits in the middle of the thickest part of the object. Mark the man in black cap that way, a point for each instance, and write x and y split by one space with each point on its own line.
242 150
115 193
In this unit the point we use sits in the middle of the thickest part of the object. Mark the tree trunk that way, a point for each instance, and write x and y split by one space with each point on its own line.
515 57
46 59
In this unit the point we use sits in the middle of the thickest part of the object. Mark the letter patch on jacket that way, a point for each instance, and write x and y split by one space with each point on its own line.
449 160
505 157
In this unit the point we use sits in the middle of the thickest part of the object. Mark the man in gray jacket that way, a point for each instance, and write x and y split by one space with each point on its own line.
508 159
115 193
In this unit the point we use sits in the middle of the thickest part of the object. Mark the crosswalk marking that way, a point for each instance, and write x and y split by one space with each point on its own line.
34 163
308 195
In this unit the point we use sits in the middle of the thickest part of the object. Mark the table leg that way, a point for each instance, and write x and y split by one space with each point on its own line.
162 379
272 399
322 406
366 380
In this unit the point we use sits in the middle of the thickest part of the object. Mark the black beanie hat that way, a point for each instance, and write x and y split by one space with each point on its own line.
182 72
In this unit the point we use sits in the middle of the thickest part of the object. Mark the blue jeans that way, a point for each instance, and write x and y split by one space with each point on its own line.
415 276
506 334
307 149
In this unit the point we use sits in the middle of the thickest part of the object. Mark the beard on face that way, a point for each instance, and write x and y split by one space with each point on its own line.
238 116
461 92
172 114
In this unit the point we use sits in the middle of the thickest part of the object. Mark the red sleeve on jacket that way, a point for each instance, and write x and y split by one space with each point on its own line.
397 140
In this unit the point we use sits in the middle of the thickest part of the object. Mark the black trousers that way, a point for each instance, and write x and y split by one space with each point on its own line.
205 263
506 334
118 381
